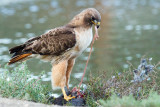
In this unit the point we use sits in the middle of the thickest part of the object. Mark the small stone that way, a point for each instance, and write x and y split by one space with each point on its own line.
113 77
148 79
150 59
119 73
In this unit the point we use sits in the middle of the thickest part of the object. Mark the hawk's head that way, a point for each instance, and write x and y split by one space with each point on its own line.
91 17
87 18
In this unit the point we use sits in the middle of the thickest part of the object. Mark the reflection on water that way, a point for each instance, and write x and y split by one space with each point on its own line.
5 41
129 30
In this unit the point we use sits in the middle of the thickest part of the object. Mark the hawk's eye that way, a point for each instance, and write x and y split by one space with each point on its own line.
93 18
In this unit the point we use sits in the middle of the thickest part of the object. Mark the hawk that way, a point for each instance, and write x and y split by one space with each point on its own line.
61 46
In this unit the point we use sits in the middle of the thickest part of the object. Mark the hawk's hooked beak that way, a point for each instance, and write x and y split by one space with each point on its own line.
96 23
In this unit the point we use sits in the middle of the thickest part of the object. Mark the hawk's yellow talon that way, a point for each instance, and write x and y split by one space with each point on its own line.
67 98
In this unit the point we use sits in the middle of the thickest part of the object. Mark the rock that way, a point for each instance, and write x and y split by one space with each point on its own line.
6 102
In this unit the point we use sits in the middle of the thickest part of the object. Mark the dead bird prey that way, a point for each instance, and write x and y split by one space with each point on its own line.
61 46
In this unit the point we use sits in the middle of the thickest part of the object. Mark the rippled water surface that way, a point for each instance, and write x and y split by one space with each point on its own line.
129 30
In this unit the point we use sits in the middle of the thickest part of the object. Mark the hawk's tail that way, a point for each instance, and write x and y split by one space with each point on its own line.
19 58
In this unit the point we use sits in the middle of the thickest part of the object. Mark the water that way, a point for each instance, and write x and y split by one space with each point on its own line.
129 30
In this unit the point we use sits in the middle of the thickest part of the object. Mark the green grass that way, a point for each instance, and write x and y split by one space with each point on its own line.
130 101
19 84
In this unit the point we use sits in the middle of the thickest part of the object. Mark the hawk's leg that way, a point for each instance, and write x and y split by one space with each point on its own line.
59 72
69 70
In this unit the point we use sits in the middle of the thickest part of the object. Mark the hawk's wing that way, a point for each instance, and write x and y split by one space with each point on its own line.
54 42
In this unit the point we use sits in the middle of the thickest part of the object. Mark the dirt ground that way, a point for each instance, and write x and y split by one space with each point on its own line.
6 102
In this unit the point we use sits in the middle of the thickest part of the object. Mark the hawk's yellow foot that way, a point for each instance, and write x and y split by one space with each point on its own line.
67 98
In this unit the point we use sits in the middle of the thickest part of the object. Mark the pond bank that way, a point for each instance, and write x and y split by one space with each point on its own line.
6 102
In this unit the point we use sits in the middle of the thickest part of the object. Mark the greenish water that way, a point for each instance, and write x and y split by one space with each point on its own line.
129 30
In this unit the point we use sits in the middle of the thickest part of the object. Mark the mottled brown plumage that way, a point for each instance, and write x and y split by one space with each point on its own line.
55 42
61 46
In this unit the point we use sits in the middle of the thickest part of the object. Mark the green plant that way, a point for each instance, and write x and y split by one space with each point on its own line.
19 84
130 101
